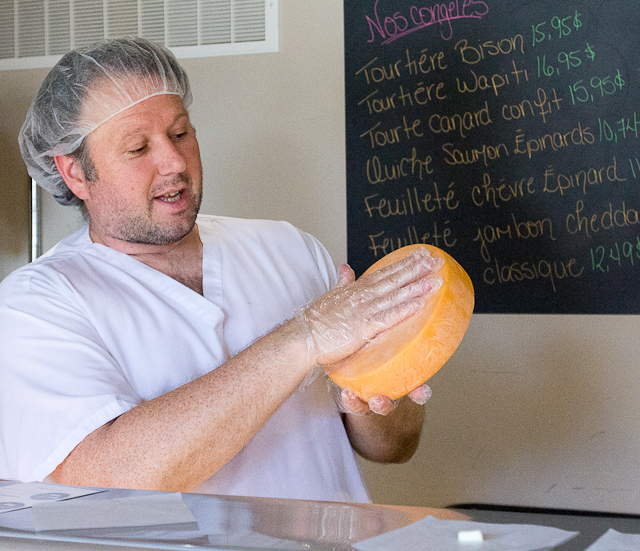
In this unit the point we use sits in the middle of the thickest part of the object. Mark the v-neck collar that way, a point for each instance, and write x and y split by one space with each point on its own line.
207 306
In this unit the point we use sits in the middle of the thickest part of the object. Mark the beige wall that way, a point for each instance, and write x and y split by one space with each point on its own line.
531 410
15 97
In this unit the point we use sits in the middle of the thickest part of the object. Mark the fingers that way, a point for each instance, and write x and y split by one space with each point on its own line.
397 291
380 404
398 284
418 262
352 404
390 308
343 320
395 307
420 395
345 275
408 274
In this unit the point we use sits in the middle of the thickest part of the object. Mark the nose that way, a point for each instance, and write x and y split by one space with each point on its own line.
169 158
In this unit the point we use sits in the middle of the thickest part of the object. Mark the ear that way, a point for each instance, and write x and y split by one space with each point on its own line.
72 175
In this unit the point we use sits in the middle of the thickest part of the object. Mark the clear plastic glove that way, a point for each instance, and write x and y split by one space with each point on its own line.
349 402
341 321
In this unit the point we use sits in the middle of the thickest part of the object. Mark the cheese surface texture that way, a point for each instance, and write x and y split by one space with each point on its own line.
402 358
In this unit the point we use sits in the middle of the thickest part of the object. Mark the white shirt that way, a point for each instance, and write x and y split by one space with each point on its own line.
87 333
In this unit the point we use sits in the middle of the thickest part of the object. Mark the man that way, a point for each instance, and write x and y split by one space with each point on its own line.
156 350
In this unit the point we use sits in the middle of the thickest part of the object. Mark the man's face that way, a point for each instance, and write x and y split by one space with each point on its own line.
148 188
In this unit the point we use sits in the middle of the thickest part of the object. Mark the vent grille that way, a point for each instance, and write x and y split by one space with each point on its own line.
36 33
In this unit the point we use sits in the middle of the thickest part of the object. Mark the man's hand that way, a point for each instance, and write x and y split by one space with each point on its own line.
381 405
341 321
378 436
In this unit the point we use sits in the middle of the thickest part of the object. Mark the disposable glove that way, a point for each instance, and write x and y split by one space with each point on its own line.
344 319
349 402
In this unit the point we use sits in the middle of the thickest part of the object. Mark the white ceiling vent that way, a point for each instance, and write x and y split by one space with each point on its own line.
36 33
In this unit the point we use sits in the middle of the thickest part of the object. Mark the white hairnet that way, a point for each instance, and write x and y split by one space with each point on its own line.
86 88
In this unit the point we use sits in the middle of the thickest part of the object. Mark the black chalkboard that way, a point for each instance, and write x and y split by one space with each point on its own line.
506 132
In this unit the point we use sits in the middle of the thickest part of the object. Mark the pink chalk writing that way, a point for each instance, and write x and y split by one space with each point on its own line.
392 26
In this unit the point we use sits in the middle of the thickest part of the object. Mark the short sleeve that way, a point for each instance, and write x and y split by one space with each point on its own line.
58 383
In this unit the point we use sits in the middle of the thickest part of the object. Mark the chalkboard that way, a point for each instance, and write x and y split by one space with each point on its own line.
506 132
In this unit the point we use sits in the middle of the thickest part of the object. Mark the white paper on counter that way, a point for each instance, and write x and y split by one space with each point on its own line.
150 510
613 539
20 496
432 534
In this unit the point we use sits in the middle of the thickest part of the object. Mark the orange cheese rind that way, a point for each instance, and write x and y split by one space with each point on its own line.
404 357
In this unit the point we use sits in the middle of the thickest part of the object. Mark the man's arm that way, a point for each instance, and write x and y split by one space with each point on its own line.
392 433
178 440
392 438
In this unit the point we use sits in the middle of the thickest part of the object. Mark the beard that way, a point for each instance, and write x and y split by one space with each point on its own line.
144 230
140 226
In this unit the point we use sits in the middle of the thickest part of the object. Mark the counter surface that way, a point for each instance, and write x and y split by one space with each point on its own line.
226 522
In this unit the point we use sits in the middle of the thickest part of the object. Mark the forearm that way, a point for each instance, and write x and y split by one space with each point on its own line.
181 438
389 438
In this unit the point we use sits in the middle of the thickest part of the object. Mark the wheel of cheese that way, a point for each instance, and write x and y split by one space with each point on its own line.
408 354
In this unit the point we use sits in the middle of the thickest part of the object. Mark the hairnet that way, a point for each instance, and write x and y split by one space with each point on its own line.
86 88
